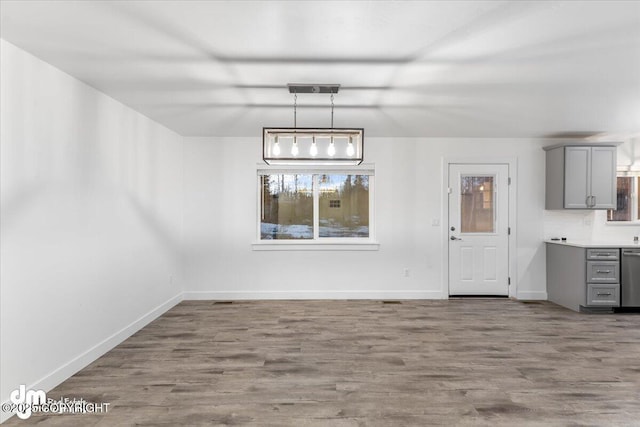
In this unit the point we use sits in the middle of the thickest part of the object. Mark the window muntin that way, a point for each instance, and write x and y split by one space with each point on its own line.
328 205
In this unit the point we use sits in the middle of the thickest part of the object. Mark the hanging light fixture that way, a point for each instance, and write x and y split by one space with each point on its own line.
331 151
291 146
294 147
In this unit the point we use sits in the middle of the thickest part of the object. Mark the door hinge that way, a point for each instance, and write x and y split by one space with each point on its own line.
509 231
509 181
509 281
449 190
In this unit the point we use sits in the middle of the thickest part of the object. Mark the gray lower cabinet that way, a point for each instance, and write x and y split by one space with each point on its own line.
583 279
603 295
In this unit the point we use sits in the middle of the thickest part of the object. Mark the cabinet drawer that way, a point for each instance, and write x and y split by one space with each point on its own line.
603 295
603 272
603 254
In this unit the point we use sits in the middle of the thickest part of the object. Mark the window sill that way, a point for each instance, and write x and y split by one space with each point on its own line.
314 246
623 223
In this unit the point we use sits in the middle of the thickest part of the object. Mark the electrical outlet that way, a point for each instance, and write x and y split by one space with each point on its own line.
406 272
435 222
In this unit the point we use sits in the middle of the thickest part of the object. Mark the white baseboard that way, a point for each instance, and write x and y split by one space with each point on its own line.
532 295
64 372
307 295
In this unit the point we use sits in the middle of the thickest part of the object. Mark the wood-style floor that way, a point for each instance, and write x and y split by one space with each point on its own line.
361 363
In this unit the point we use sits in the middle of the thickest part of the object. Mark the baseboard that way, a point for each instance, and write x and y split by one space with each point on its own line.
532 295
51 380
307 295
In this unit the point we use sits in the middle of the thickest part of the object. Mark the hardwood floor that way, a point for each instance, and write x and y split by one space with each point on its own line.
353 363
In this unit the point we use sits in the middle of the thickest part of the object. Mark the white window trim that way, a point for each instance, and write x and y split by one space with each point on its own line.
634 205
319 243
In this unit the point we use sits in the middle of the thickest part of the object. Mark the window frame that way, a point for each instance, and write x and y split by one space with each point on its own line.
635 211
318 243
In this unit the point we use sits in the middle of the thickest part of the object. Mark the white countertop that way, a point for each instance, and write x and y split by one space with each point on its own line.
595 244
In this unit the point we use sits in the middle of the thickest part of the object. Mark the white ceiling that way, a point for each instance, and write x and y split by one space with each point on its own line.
432 68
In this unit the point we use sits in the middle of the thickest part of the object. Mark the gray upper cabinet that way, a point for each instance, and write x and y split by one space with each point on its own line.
577 177
603 177
581 176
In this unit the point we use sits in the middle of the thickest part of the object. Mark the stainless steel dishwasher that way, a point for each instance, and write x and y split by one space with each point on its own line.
630 285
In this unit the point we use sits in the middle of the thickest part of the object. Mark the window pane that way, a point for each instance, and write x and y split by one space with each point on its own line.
286 207
344 205
477 204
623 211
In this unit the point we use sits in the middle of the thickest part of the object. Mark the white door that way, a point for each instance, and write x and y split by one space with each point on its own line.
478 229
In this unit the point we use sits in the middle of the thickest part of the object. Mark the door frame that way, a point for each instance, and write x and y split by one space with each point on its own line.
512 163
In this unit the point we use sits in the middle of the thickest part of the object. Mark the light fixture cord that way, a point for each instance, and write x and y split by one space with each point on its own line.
295 109
332 109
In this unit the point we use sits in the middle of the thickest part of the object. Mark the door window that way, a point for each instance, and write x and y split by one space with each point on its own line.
477 204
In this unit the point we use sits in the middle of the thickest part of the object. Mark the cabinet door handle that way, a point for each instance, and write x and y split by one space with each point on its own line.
604 294
603 271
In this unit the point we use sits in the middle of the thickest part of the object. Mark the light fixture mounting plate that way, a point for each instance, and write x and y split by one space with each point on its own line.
313 88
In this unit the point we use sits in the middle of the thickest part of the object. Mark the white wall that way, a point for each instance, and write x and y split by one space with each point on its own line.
90 222
220 215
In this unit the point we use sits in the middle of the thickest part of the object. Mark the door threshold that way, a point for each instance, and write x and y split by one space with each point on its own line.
479 296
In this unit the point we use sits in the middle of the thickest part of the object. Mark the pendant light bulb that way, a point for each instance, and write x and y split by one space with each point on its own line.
314 148
350 149
294 147
332 148
276 147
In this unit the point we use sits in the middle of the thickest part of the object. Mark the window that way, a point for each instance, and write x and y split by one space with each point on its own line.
627 201
477 204
315 206
287 207
344 205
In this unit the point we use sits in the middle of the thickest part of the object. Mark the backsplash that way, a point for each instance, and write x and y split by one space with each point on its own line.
586 225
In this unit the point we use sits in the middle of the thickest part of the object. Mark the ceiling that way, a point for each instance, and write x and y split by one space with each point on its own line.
419 68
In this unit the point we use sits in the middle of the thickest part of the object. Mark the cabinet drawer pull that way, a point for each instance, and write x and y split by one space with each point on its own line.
603 271
603 294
